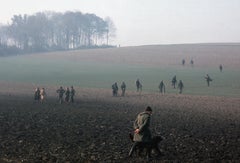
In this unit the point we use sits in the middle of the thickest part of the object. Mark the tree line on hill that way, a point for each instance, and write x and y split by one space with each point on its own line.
50 31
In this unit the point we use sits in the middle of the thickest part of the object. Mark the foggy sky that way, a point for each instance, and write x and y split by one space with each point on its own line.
144 22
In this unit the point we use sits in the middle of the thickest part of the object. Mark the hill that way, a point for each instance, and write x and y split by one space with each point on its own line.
100 68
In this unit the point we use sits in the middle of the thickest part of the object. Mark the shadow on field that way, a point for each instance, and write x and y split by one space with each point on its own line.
96 130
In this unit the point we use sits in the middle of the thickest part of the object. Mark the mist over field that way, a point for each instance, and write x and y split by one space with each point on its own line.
100 68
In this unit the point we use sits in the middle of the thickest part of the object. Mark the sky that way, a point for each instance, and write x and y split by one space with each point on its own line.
147 22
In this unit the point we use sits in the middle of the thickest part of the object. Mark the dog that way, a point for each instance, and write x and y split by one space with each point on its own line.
149 146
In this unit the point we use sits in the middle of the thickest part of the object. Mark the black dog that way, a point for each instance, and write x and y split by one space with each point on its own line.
140 146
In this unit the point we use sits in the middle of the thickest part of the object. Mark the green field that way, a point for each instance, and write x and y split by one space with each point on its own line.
94 74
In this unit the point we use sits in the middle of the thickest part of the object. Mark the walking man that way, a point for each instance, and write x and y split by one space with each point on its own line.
142 132
138 85
161 87
180 86
183 62
115 89
208 79
60 92
191 62
123 87
67 95
37 94
174 81
220 67
72 94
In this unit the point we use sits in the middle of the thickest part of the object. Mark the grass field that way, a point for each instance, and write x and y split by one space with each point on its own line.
151 64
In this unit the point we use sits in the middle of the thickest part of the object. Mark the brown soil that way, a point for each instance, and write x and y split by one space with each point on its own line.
95 128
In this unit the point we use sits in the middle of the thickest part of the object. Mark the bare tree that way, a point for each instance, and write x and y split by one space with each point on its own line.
52 30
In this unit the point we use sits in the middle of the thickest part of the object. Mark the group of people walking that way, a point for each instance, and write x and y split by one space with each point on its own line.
191 62
40 94
115 89
139 86
162 88
69 94
179 86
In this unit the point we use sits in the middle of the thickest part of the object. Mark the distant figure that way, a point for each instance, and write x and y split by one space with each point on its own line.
208 79
138 85
37 94
183 62
60 92
191 62
67 95
220 67
115 89
72 94
161 87
180 86
123 87
174 81
42 94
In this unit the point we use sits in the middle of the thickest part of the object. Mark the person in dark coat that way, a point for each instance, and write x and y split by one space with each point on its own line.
37 94
138 85
220 67
191 62
123 87
208 79
60 92
67 95
180 86
161 87
142 132
183 62
174 81
115 89
72 94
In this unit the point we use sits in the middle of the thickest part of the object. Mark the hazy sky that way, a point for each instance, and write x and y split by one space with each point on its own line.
144 22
